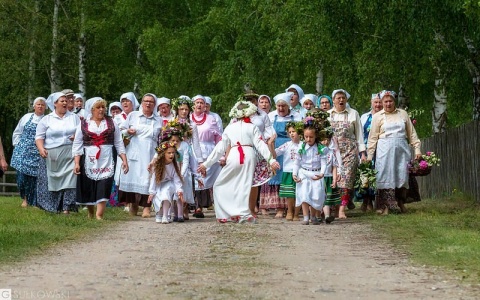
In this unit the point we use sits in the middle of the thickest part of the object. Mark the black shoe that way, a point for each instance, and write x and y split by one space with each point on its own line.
351 205
198 214
180 220
329 220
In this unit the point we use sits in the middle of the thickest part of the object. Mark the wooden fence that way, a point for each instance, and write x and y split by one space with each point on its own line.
459 150
8 185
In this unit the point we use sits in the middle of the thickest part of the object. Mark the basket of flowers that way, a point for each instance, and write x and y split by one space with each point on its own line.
365 177
423 166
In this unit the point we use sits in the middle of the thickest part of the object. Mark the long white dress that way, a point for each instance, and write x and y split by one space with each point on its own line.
170 185
139 152
232 187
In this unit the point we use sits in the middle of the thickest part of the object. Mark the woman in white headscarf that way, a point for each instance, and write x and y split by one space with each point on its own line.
349 144
95 158
25 158
54 136
143 127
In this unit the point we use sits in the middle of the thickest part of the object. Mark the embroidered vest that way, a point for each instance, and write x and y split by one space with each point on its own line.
106 137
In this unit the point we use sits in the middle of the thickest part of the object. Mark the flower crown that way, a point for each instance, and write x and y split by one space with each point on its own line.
164 146
297 125
176 102
176 127
318 114
247 109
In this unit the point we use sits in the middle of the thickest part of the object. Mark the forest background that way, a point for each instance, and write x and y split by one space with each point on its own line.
427 50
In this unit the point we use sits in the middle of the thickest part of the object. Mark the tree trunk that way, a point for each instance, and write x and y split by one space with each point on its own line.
82 53
474 68
319 82
31 58
54 75
439 111
403 99
136 86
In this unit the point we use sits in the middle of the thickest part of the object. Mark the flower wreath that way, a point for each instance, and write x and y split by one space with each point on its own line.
297 125
168 132
180 125
164 146
247 110
318 114
176 102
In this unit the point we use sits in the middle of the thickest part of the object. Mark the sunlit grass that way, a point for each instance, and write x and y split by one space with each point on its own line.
27 231
443 232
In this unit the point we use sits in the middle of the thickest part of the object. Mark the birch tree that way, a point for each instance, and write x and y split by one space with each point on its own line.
82 52
54 73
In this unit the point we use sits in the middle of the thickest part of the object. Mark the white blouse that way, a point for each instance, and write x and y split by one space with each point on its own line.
21 125
170 175
289 150
311 160
57 131
77 148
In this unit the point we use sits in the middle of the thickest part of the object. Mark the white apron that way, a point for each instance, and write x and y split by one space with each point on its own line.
139 153
101 168
392 157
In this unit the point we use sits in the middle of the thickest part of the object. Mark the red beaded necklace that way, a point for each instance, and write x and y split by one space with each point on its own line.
199 122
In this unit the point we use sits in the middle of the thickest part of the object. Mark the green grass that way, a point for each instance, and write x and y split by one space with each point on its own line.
443 232
28 231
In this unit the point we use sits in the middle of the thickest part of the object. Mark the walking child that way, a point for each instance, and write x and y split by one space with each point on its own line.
333 195
308 173
289 151
165 181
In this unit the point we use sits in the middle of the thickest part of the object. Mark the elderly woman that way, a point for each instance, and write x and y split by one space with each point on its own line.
94 156
324 102
348 137
269 198
25 158
54 136
390 135
209 135
243 138
295 101
143 127
115 108
368 195
262 173
264 103
208 106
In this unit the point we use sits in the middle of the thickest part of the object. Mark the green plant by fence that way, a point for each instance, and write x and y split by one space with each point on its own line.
459 150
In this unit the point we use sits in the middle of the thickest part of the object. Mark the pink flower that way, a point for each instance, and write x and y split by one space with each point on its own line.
429 153
414 122
423 165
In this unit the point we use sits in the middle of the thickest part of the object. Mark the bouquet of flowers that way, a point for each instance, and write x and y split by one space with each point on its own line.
365 177
423 166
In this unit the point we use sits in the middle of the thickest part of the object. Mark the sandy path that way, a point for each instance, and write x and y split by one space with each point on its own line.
201 259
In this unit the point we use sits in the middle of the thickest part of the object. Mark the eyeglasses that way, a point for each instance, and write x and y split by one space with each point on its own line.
147 101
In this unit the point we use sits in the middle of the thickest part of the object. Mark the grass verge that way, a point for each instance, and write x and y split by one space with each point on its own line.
27 231
441 232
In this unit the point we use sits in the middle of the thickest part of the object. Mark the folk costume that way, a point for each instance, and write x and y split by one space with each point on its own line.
25 157
94 143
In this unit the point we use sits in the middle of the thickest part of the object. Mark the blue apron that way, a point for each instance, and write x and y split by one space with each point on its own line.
282 138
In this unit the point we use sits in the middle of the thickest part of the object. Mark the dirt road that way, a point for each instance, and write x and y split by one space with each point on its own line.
201 259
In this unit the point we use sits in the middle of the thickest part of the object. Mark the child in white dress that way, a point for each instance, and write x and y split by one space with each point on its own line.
308 173
165 181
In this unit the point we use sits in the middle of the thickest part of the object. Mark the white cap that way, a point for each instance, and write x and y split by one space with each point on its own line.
208 100
286 97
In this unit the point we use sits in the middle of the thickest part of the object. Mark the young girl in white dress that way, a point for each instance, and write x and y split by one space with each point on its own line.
165 181
308 173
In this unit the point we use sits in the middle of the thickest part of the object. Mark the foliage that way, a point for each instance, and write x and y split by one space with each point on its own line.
365 177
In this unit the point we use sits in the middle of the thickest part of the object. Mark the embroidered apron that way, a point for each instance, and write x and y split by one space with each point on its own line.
347 145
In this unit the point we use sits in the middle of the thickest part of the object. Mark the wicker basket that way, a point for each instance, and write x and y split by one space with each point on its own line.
415 170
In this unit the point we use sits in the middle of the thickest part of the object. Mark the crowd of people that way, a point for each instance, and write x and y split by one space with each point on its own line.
175 156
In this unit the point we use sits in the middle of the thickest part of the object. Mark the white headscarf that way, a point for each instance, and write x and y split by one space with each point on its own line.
89 105
116 104
340 91
52 99
38 99
198 97
266 96
311 97
285 97
298 89
162 100
208 100
131 96
388 93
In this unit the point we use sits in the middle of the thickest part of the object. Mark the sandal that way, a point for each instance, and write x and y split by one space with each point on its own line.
198 213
